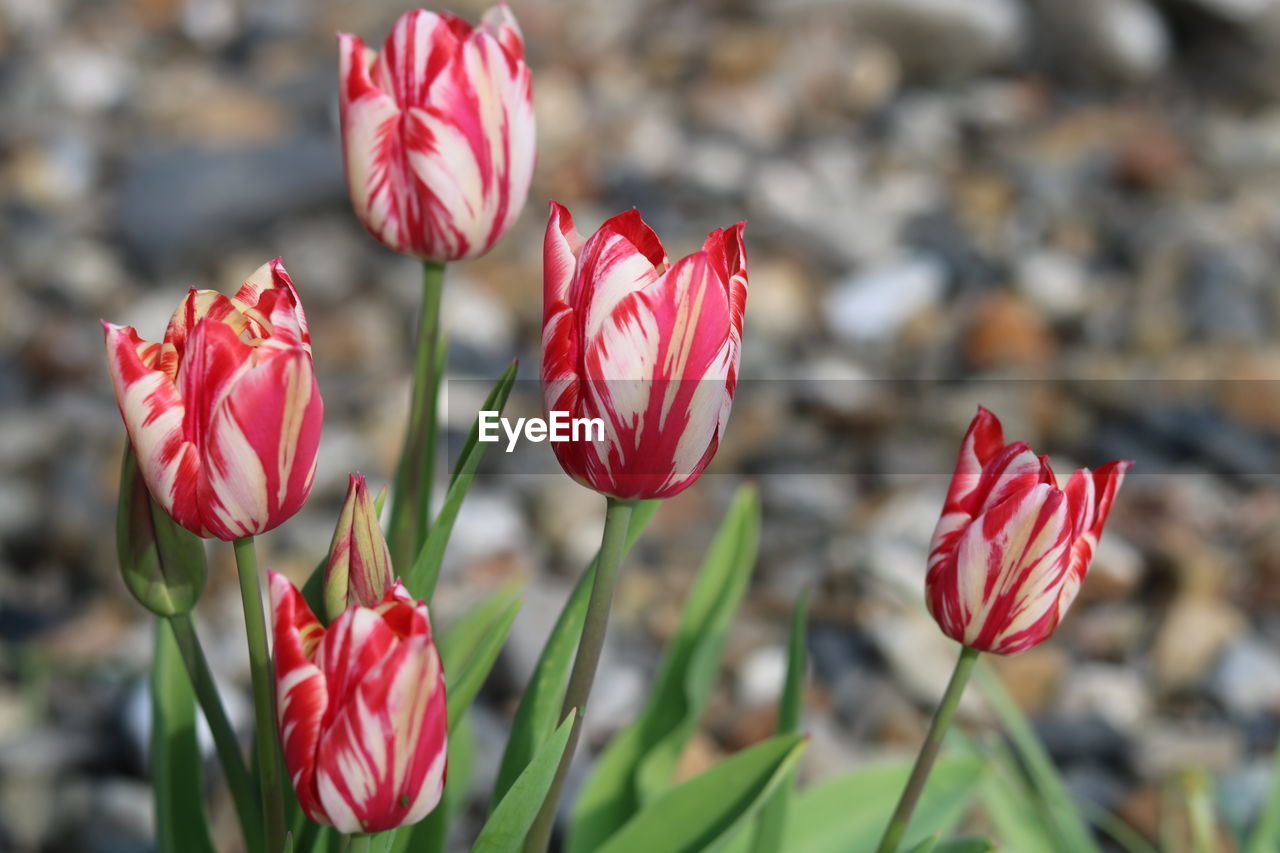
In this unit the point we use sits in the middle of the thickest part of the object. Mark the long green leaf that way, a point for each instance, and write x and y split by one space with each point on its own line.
824 819
509 823
640 762
1069 825
704 812
470 647
1015 811
422 577
772 826
175 755
539 709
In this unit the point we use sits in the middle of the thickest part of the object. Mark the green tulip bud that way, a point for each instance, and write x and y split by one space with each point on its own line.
163 564
359 567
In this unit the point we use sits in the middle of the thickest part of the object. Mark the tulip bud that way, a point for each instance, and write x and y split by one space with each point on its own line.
1012 548
648 347
359 566
163 565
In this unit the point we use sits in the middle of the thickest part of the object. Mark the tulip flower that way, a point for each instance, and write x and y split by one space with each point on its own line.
438 132
1007 559
1012 548
359 567
224 413
361 710
649 347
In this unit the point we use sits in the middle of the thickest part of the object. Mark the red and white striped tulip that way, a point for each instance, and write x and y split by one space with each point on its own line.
438 132
649 347
1012 548
361 710
224 412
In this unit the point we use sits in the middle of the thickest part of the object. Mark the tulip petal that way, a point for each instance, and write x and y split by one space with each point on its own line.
560 250
612 266
1090 495
500 23
998 590
154 416
260 449
381 761
659 373
301 696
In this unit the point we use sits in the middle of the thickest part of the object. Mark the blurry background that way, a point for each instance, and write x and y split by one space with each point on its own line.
1067 211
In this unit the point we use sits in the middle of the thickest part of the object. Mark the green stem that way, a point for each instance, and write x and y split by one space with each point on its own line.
612 545
928 752
411 508
224 736
359 844
264 730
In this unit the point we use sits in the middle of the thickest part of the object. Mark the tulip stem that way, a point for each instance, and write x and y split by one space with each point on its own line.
411 509
224 736
264 730
360 844
929 751
612 546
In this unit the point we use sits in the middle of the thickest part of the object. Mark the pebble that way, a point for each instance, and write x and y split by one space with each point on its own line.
872 306
1246 677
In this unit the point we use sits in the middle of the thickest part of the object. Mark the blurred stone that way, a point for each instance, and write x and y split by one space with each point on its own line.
1246 678
1115 694
944 37
760 677
871 306
1162 748
1055 282
1194 631
1033 677
1006 332
1111 39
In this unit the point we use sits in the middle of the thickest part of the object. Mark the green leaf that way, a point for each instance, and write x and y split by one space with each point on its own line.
175 756
421 578
955 845
1015 811
640 762
850 812
1069 826
702 813
470 646
543 697
772 826
509 824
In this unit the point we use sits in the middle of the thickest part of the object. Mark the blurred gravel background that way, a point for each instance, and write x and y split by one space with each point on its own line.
1068 211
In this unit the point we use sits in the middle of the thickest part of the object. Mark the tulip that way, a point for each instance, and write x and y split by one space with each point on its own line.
1012 548
359 567
224 413
360 709
649 347
438 132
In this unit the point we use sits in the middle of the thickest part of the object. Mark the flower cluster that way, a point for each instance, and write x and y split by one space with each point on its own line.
223 417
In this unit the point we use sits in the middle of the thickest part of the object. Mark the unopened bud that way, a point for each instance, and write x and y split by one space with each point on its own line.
359 566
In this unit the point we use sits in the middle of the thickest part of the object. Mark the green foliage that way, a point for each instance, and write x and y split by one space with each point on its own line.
175 756
470 646
539 710
706 811
772 826
510 821
639 763
422 576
